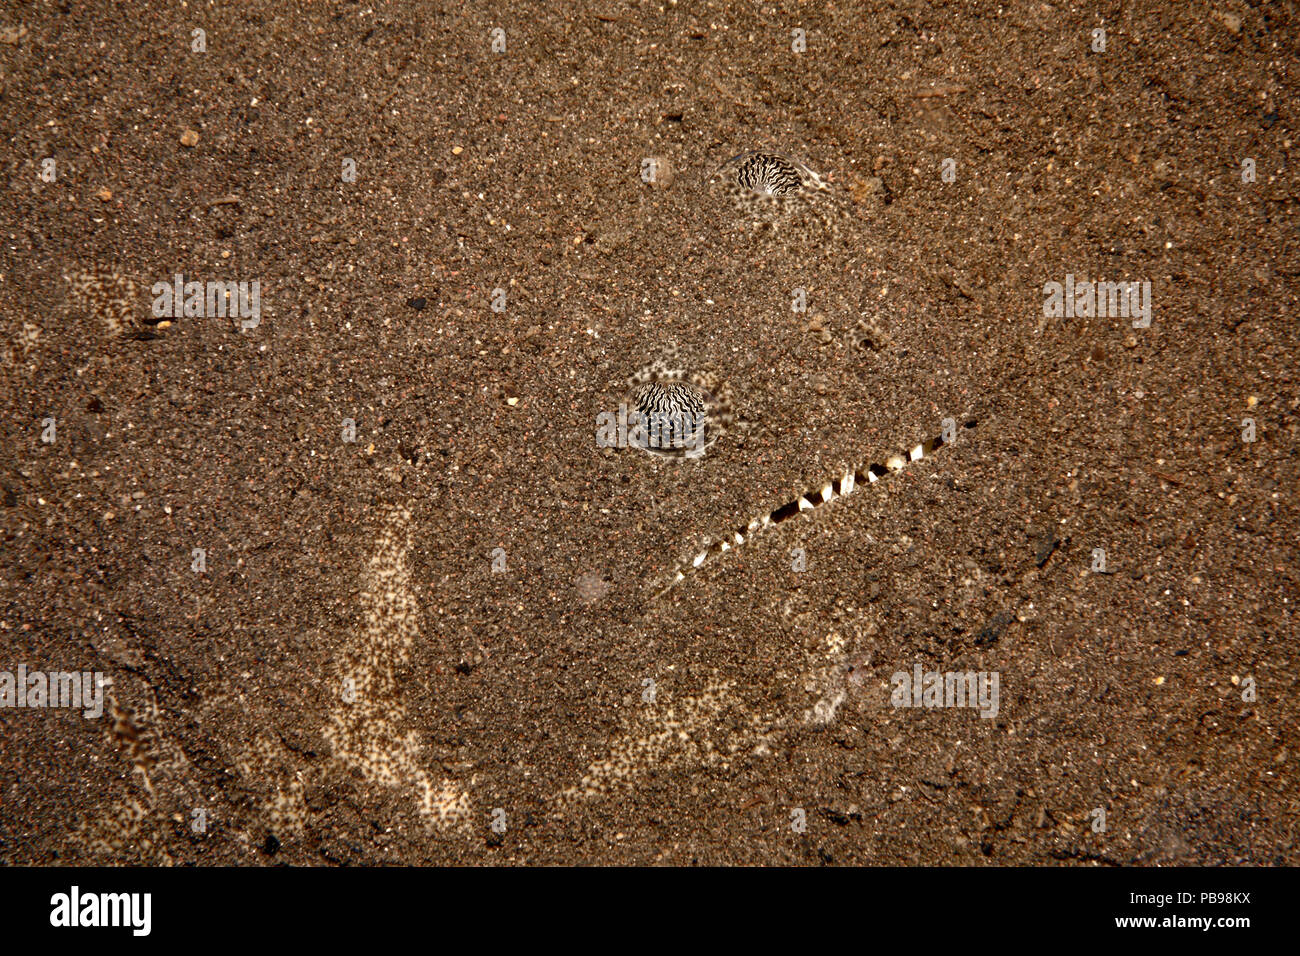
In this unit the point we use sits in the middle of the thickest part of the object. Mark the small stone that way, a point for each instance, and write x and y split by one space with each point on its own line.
1230 20
863 188
661 173
417 303
457 150
591 587
104 194
189 138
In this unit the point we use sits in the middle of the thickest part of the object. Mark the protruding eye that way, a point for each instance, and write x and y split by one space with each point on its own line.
675 412
768 175
766 186
673 416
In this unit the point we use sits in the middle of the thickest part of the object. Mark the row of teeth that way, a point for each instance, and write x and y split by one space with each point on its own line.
845 486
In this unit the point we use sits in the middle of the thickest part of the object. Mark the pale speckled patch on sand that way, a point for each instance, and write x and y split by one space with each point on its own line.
109 298
266 768
674 733
827 678
695 730
161 785
370 733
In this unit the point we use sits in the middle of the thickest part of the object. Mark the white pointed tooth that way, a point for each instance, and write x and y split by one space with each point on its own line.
680 577
871 477
699 559
725 546
895 463
917 452
846 485
828 492
805 504
740 538
767 520
754 526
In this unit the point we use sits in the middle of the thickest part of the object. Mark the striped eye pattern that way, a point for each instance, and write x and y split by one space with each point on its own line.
769 174
672 416
765 185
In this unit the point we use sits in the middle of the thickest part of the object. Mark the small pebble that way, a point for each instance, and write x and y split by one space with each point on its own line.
189 138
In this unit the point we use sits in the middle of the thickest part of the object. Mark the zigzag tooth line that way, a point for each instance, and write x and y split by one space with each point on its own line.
871 473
